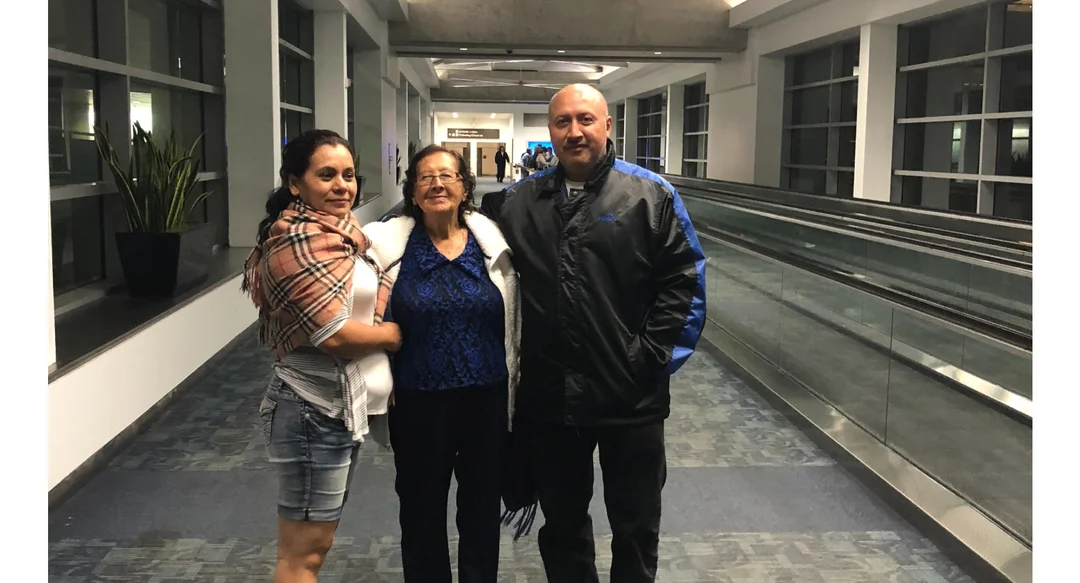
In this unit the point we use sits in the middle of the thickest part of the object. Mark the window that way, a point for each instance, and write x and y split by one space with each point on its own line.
73 156
620 131
72 26
964 130
165 37
650 135
296 69
820 109
695 130
164 51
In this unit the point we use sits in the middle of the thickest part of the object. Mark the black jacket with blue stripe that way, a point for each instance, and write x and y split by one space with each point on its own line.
612 284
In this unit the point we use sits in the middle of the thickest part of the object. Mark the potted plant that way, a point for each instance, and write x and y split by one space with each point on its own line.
163 251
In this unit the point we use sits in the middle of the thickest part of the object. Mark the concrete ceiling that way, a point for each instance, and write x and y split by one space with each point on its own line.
593 31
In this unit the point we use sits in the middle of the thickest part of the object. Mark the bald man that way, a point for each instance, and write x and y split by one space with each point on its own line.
612 282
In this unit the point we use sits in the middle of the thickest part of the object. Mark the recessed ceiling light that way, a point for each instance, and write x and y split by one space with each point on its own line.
463 49
455 114
657 53
561 51
493 116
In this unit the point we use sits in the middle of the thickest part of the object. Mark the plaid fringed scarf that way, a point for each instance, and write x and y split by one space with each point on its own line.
299 277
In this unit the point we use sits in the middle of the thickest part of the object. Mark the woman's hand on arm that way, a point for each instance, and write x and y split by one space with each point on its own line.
356 340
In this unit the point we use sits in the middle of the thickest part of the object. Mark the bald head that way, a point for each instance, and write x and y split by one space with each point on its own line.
578 92
579 125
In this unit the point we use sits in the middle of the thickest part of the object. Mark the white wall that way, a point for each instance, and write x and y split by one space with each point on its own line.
92 404
506 134
644 79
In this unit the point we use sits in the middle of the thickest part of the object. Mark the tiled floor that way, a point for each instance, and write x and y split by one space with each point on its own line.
749 500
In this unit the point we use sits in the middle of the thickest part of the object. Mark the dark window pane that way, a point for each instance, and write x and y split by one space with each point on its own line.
845 184
77 250
165 37
812 67
849 64
953 90
812 181
696 119
940 193
294 123
1016 83
847 147
693 169
1012 201
943 146
656 125
810 147
1014 147
164 111
71 26
810 105
849 101
217 209
73 156
653 148
295 26
955 36
693 94
1017 23
695 147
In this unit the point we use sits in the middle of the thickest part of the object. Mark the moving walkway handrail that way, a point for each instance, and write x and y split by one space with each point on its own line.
957 319
1001 398
1006 232
873 228
947 253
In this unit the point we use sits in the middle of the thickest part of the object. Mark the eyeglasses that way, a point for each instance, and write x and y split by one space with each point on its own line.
444 178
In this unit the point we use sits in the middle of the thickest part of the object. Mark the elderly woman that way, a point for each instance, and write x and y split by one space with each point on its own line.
455 300
321 299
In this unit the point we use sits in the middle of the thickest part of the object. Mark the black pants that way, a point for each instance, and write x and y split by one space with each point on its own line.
500 173
435 434
634 468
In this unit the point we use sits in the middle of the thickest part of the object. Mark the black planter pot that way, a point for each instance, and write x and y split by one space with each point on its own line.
159 265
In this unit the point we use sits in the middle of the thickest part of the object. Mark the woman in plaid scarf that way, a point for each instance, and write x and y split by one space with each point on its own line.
321 299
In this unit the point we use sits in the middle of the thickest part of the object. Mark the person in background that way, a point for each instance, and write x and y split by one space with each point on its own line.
455 299
613 303
501 160
526 160
321 299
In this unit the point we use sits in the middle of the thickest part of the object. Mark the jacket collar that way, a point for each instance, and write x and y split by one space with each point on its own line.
553 182
388 239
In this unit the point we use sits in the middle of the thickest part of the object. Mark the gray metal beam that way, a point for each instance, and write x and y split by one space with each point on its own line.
391 10
622 29
493 94
551 77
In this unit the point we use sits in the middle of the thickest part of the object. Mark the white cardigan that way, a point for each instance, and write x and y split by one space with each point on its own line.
388 240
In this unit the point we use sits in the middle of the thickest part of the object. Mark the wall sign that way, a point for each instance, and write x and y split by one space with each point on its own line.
472 134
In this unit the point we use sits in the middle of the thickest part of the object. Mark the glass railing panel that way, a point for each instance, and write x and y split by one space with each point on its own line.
897 373
818 348
744 293
998 293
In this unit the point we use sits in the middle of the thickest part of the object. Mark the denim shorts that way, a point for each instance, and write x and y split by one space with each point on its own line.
313 456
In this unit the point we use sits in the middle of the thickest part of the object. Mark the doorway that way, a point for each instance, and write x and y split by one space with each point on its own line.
459 147
485 158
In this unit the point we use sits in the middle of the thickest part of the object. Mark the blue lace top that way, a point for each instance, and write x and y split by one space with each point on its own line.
451 319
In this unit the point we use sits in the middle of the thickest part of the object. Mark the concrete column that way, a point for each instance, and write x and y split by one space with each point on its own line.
876 112
630 139
331 80
253 120
676 109
746 111
368 119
